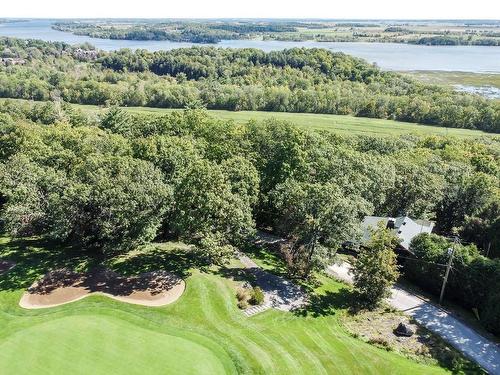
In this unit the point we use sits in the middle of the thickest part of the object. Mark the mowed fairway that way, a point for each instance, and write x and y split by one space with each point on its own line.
337 123
333 123
202 333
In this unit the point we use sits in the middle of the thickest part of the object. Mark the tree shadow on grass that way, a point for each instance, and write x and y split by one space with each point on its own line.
328 303
34 257
447 356
268 256
233 273
176 258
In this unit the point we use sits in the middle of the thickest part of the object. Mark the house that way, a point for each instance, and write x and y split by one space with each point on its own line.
404 227
12 61
83 54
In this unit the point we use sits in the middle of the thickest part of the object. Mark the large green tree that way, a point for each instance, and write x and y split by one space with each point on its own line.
316 219
105 203
208 213
375 270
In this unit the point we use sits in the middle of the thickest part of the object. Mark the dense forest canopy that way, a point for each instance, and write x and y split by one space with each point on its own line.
295 80
107 183
260 174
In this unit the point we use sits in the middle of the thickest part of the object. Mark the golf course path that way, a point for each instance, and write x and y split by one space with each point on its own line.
279 293
485 352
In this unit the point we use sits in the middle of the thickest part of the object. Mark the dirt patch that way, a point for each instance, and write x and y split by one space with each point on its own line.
378 328
58 287
5 266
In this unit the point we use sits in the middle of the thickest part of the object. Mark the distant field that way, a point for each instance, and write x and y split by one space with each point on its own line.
333 123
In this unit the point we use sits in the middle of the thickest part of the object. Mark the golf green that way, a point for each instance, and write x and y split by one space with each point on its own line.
92 344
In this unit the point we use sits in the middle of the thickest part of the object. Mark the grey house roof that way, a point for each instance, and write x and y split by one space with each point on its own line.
404 227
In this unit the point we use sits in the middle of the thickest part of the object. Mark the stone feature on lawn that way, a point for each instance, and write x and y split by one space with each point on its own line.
61 286
403 330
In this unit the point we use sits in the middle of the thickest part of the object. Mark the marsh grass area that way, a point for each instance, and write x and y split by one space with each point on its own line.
203 332
453 79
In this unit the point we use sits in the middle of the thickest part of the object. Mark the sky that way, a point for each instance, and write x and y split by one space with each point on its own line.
344 9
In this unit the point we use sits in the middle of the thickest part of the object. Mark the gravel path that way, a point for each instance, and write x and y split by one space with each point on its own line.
485 352
279 293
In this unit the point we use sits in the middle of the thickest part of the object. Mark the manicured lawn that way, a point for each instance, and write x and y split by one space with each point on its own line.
99 342
203 332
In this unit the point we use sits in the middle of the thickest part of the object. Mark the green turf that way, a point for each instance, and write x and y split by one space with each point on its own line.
203 332
333 123
87 344
336 123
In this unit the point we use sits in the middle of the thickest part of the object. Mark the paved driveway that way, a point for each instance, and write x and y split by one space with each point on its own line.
485 352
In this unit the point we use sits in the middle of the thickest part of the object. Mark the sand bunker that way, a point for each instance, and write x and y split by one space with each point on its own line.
58 287
6 265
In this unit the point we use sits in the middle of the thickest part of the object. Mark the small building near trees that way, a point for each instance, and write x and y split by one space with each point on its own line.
403 227
12 61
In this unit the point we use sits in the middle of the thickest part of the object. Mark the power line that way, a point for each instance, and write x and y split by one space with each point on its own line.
423 261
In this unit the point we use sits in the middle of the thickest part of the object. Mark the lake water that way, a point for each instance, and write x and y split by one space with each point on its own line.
389 56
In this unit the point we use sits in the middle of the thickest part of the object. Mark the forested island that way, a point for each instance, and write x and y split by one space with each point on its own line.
295 80
442 33
176 31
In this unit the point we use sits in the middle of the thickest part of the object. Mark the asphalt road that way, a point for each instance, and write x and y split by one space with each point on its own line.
485 352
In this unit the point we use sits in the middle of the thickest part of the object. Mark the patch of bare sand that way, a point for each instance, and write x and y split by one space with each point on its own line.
59 287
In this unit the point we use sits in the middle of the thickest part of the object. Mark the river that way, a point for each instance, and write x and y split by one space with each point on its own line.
390 56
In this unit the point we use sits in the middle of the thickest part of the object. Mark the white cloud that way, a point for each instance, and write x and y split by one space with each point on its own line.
367 9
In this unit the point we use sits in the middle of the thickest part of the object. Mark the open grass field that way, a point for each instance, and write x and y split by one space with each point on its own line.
332 123
340 124
202 333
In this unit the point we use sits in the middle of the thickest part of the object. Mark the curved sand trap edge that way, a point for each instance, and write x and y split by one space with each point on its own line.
78 290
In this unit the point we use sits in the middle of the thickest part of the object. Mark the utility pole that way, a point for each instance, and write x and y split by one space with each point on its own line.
451 252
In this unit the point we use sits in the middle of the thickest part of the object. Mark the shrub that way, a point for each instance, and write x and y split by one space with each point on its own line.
491 313
257 297
380 342
242 294
243 304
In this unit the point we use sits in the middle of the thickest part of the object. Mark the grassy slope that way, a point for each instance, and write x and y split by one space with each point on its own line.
334 123
203 328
